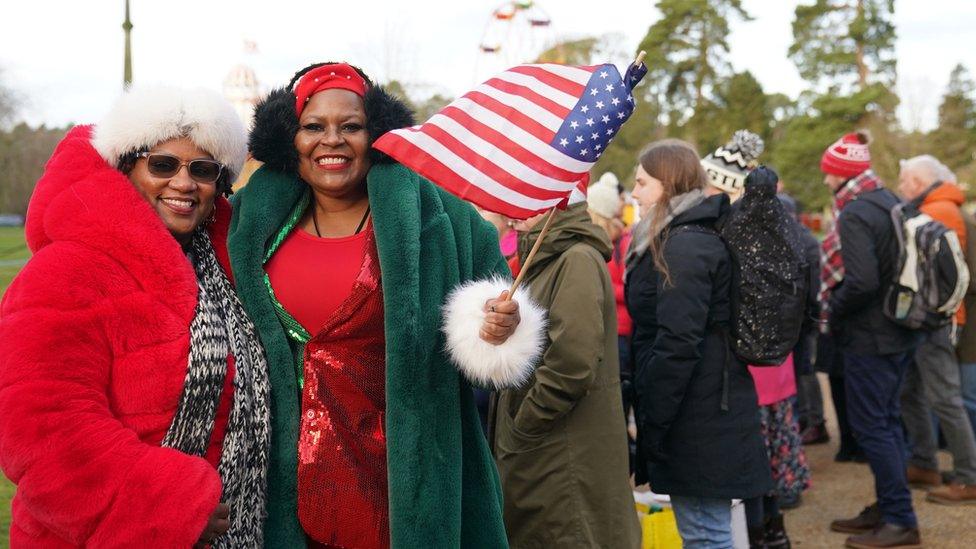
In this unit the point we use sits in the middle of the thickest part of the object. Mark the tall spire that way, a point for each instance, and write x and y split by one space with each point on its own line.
127 27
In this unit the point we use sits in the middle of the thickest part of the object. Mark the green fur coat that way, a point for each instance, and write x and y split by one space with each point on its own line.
443 486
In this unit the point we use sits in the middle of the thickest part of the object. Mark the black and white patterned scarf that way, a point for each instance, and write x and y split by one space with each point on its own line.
220 328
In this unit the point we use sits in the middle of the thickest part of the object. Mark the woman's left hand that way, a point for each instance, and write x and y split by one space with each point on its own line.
501 319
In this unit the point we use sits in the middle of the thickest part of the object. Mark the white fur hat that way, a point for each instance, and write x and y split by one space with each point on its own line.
144 117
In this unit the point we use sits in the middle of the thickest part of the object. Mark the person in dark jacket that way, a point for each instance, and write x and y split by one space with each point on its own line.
808 395
697 413
860 257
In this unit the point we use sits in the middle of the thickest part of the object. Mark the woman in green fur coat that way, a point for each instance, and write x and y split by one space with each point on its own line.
350 264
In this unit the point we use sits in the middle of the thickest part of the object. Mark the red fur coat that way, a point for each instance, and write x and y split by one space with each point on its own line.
94 342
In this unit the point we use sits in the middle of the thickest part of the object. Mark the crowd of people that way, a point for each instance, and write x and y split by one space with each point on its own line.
330 357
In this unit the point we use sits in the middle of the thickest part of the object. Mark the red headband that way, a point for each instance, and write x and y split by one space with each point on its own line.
338 76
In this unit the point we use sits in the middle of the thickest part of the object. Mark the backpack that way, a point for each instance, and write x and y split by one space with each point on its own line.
770 274
931 275
770 294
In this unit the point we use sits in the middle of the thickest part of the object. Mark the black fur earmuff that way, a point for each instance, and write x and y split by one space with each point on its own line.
272 138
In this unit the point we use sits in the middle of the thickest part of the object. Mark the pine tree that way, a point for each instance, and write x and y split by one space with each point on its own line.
844 43
744 106
686 57
845 51
954 140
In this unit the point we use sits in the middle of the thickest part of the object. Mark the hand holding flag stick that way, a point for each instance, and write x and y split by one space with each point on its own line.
522 143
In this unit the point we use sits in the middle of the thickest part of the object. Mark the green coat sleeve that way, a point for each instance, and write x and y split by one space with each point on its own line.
576 344
488 258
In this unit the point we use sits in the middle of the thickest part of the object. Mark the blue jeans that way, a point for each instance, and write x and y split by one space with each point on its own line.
967 374
704 523
873 384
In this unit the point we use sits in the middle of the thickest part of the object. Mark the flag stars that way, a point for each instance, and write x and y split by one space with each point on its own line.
606 118
584 152
609 131
603 74
594 136
614 101
609 87
599 104
630 98
621 115
594 91
585 109
579 138
590 122
574 124
564 142
598 146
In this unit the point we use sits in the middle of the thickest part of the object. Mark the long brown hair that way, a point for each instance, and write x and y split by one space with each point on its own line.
676 165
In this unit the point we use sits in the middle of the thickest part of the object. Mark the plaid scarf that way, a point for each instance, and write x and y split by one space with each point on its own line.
832 272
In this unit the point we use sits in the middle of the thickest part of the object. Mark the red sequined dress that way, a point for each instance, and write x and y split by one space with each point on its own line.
342 478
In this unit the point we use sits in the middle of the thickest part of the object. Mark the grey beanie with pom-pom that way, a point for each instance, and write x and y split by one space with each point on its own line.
729 165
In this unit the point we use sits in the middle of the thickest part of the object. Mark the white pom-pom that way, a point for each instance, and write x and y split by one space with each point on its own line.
748 143
484 364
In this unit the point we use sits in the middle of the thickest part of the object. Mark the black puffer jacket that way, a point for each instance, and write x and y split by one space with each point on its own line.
689 443
870 252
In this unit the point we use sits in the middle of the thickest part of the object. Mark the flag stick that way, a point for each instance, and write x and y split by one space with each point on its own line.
640 58
535 248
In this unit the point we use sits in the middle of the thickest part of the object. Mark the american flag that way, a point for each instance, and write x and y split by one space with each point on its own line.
521 142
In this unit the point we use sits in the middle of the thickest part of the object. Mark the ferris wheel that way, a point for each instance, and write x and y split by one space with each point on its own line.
516 32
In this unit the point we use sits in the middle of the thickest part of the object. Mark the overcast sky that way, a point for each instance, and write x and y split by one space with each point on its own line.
64 57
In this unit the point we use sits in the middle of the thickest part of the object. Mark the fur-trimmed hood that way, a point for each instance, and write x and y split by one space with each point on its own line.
272 139
82 198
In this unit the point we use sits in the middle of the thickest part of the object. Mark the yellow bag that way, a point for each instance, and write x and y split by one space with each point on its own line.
660 531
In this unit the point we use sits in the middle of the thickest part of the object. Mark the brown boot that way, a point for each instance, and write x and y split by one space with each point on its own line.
866 521
953 494
923 478
888 535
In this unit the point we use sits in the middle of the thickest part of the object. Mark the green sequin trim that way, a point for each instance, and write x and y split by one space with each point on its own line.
295 331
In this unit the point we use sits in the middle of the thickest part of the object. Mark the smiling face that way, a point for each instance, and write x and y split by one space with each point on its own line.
332 143
180 201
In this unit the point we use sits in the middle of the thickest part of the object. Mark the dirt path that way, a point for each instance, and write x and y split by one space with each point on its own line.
843 489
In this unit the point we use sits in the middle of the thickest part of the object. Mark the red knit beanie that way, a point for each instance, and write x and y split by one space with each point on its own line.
849 156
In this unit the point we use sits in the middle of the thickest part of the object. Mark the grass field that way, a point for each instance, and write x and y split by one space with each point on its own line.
13 254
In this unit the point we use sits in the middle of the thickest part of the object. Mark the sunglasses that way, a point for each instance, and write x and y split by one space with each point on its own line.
166 165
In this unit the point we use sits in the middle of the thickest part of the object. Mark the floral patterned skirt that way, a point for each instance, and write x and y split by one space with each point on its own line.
781 433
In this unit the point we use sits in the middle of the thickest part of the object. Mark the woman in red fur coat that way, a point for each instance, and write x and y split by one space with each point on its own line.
133 390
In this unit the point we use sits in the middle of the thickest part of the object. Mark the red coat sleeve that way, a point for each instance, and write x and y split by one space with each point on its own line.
81 473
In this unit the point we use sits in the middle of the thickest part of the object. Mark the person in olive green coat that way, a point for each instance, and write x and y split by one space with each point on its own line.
559 440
